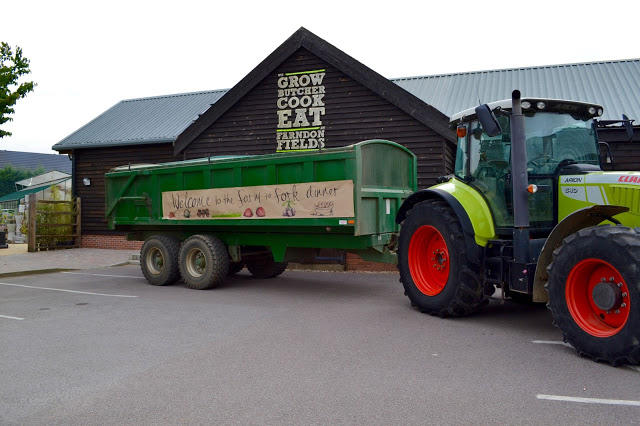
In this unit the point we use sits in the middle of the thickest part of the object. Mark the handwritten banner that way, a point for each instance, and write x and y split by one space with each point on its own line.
299 200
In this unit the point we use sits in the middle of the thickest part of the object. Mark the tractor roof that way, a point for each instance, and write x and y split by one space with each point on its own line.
532 105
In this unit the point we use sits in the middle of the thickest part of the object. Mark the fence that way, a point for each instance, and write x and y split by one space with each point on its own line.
53 224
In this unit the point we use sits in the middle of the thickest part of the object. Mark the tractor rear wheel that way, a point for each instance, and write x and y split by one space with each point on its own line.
594 293
159 260
204 262
434 269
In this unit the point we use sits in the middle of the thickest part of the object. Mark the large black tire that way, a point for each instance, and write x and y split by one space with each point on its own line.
594 293
159 260
235 267
204 262
265 267
432 259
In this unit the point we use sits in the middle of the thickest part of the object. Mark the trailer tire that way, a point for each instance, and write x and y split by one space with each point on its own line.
204 262
159 260
235 267
594 293
434 268
265 267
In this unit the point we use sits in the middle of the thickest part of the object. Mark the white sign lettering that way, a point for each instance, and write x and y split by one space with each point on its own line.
300 110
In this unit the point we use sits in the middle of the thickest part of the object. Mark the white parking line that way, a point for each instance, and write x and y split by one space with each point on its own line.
103 275
67 291
589 400
14 318
552 342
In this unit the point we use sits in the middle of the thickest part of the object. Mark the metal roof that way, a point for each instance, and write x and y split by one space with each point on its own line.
18 195
32 160
613 84
42 179
157 119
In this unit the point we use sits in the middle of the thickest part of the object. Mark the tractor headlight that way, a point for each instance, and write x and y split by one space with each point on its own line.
525 104
541 105
592 111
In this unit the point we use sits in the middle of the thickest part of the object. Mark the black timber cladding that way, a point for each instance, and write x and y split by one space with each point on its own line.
302 38
352 113
94 163
625 153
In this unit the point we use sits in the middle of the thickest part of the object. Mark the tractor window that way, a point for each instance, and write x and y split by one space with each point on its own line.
478 151
553 138
483 162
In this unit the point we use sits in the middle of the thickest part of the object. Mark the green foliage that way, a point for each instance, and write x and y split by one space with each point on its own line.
12 67
51 219
9 175
24 226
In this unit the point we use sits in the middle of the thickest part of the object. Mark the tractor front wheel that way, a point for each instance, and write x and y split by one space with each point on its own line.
594 293
434 269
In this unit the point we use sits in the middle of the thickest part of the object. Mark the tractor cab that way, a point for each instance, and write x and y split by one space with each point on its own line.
559 134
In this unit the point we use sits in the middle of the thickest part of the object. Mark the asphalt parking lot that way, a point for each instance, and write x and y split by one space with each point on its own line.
103 347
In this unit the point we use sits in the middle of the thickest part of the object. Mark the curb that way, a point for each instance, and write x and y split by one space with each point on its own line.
36 271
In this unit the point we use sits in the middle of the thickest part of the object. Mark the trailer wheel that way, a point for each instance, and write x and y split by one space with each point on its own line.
235 267
204 262
434 269
265 267
159 260
594 293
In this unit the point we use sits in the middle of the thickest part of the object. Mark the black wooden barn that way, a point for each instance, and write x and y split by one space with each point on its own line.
305 84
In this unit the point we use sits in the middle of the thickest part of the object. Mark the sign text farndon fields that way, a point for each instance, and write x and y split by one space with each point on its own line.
298 200
300 111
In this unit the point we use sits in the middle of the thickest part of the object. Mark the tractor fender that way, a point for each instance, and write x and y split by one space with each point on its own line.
473 250
580 219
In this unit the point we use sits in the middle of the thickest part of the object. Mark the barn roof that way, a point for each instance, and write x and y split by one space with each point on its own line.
180 117
612 84
155 119
32 160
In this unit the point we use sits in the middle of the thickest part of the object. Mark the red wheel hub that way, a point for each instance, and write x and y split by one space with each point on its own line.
597 297
428 260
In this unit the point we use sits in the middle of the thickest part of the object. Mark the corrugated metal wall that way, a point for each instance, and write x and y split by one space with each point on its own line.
609 83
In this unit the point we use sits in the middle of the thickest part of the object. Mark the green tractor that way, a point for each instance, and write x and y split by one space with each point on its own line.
530 211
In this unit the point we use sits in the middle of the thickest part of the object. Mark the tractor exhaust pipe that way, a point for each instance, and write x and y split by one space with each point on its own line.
520 180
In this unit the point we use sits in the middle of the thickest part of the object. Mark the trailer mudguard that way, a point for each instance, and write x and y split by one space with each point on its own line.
580 219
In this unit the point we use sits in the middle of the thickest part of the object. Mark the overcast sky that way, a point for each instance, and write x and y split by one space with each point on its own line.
86 56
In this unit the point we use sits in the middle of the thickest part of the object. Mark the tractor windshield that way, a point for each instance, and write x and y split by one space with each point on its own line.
552 138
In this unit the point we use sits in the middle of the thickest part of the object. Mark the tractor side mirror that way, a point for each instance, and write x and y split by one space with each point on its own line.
488 120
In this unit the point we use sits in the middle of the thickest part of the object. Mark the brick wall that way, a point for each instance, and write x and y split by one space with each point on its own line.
109 242
355 263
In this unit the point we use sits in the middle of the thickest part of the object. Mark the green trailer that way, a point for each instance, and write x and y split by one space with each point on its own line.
204 219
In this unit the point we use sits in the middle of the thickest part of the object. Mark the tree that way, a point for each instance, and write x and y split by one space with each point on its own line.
9 175
12 67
